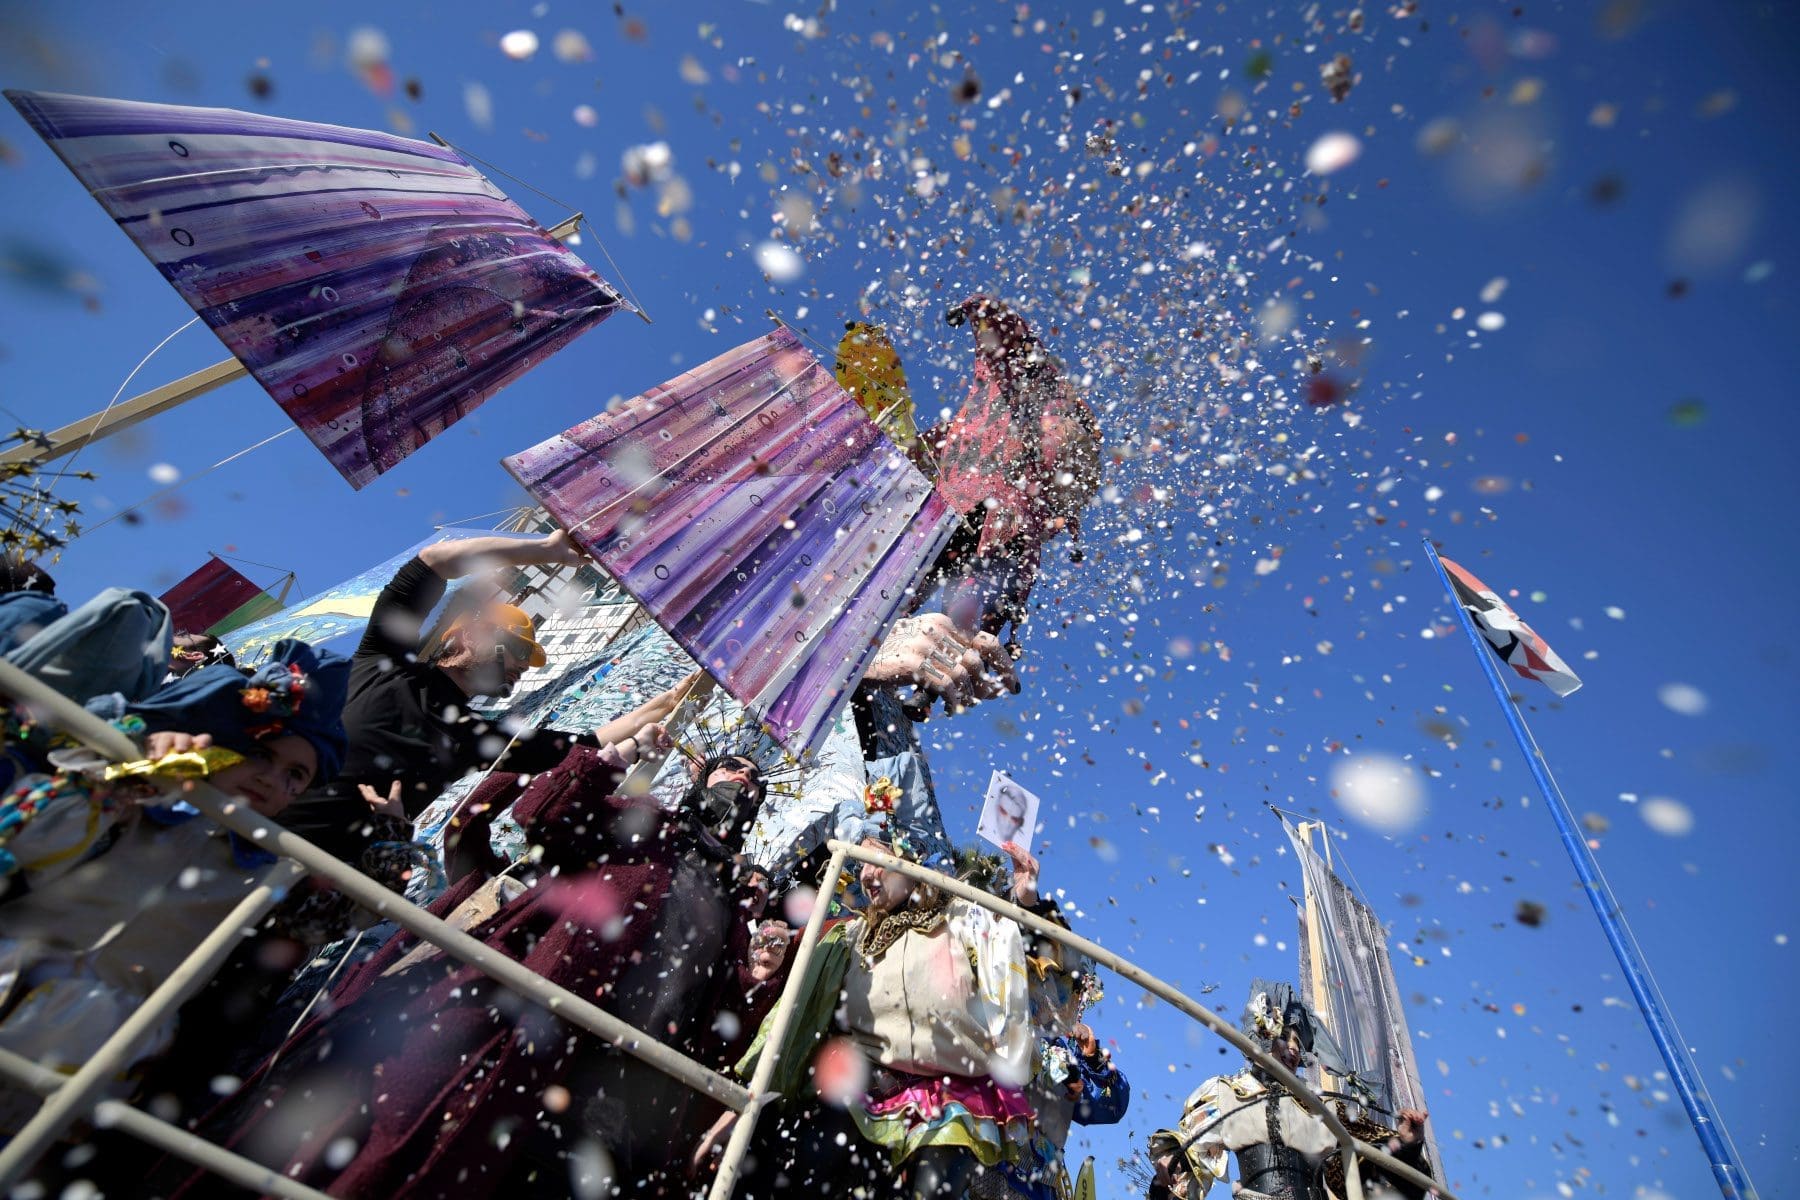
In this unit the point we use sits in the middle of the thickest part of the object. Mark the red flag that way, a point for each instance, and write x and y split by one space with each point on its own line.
1511 638
203 601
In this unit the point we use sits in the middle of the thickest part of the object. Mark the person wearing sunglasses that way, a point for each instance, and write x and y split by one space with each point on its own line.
412 731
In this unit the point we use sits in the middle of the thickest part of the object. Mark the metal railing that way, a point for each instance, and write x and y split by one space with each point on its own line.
79 1096
1348 1146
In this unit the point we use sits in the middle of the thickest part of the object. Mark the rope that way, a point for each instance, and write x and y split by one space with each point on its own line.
530 187
625 283
251 562
513 509
157 495
1328 829
290 574
330 978
101 419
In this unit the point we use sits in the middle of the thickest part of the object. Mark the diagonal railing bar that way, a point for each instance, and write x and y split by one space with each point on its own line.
1348 1145
116 1114
65 1108
466 949
782 1017
86 1087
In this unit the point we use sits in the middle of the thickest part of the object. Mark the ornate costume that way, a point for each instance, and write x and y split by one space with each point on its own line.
1283 1151
934 1000
1019 461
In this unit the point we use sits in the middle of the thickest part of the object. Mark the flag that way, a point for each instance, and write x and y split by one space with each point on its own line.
759 516
377 287
216 599
1511 638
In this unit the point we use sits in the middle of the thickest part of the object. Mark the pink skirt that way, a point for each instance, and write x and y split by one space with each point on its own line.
992 1122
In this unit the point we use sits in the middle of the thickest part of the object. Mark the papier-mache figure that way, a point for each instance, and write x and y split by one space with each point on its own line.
1019 461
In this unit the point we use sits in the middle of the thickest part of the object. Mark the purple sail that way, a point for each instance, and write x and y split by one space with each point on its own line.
759 516
379 288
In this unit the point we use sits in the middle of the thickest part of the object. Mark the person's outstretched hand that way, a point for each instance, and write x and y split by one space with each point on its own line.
961 667
1412 1125
389 805
713 1143
651 739
657 709
1025 875
161 745
559 550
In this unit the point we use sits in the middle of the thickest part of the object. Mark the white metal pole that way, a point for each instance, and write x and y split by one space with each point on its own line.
77 1097
50 706
783 1016
115 1114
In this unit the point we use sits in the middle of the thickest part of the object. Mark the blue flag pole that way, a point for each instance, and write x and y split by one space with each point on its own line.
1727 1165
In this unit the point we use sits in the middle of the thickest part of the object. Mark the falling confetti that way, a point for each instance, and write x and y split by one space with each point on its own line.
571 46
1683 698
1382 792
1685 414
1333 153
779 262
1667 816
519 45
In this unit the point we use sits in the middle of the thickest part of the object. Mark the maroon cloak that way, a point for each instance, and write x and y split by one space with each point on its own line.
428 1083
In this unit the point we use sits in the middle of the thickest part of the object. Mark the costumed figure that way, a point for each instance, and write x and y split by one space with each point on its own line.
934 1015
1019 461
110 879
868 367
1075 1081
1283 1151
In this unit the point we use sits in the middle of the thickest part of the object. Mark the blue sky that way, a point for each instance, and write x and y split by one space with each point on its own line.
1253 597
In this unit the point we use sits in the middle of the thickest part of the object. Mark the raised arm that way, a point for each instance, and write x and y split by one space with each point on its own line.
453 560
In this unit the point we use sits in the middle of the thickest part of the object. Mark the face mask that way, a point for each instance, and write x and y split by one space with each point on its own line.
719 806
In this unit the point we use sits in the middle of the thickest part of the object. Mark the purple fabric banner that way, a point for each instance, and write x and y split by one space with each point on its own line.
759 516
379 288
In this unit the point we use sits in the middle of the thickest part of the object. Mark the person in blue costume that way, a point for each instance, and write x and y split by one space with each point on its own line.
111 879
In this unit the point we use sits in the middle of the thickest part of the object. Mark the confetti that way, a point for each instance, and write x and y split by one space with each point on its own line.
1683 698
779 262
1382 792
1667 816
519 45
1333 153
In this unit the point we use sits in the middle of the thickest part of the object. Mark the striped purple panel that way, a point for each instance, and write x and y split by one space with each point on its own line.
760 516
379 288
